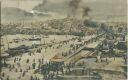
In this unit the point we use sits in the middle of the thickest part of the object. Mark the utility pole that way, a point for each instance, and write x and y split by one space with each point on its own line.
7 42
3 44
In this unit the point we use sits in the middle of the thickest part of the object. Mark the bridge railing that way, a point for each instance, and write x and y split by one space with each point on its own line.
84 45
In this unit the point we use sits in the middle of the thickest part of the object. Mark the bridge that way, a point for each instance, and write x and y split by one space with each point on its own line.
91 43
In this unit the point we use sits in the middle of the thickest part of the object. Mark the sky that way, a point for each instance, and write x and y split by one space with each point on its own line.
99 7
29 4
23 4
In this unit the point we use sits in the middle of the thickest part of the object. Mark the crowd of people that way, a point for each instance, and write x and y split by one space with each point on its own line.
17 63
26 65
21 66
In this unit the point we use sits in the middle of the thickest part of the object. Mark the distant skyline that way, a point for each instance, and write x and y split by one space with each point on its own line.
117 9
29 4
23 4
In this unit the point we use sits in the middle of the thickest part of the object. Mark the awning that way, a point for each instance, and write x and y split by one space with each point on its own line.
57 58
4 54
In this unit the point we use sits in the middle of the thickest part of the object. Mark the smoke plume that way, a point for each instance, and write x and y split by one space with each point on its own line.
86 11
74 5
44 2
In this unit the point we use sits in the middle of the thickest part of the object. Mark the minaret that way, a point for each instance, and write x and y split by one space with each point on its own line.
44 2
18 4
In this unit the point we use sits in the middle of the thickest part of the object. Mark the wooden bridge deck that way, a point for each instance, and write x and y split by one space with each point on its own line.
94 39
